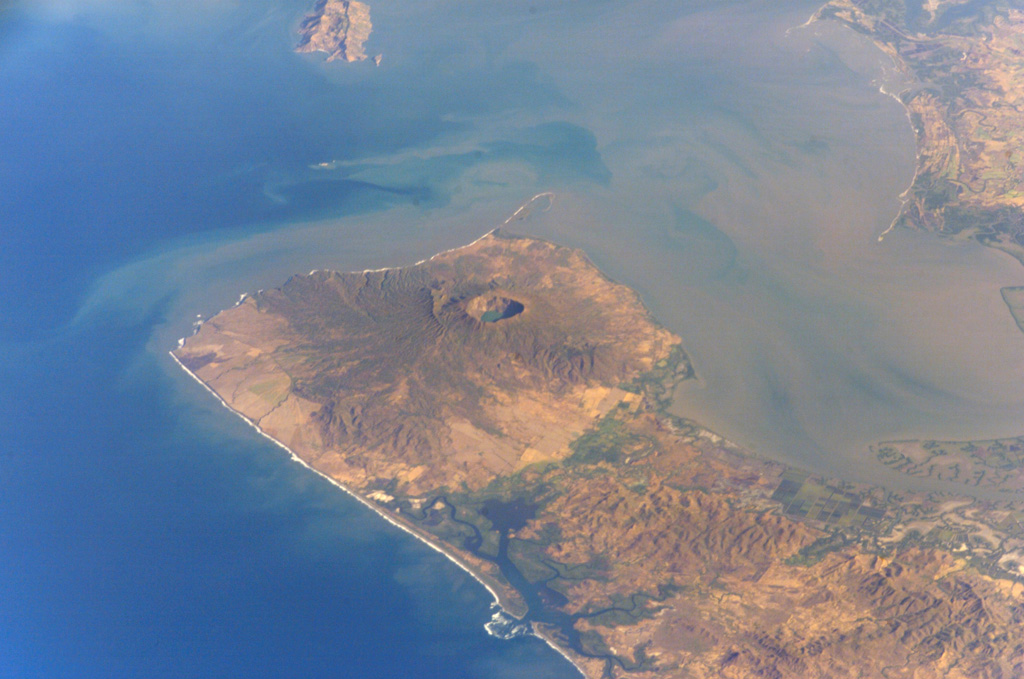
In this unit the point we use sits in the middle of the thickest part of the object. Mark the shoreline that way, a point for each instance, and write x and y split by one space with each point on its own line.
523 206
903 196
558 649
499 602
295 458
429 541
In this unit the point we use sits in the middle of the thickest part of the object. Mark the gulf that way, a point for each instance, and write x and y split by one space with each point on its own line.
736 175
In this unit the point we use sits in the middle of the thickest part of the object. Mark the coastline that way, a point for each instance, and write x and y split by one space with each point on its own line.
501 603
904 196
523 206
543 636
492 588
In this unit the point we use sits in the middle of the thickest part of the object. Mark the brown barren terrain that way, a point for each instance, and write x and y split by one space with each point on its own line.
967 109
507 401
392 376
337 27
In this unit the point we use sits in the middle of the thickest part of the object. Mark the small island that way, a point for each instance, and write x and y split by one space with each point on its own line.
507 403
337 27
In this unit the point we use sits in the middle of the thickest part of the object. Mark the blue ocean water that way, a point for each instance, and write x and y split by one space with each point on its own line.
124 124
144 531
160 157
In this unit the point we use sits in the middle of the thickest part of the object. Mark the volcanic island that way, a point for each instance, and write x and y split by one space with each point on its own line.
507 403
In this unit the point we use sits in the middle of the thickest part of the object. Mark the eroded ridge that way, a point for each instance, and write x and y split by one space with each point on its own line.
338 27
507 402
476 363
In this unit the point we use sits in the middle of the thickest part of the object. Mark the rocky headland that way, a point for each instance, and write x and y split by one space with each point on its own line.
338 27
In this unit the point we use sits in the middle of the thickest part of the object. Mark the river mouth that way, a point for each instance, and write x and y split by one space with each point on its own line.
543 603
807 342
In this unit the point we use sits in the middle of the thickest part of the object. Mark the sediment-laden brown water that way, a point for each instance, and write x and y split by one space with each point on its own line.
734 167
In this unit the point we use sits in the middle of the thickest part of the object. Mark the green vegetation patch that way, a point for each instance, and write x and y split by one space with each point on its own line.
820 548
596 568
658 383
437 519
807 498
531 560
274 390
610 441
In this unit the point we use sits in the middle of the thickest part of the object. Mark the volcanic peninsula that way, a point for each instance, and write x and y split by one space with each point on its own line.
509 404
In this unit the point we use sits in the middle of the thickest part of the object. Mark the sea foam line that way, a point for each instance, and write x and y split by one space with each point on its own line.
558 649
419 263
376 510
366 503
363 501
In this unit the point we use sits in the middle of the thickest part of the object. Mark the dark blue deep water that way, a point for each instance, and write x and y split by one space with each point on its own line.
160 157
144 531
145 534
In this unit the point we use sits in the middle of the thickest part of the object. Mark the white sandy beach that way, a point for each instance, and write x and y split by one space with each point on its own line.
380 512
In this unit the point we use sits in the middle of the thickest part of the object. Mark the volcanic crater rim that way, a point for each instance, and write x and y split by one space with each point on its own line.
494 306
